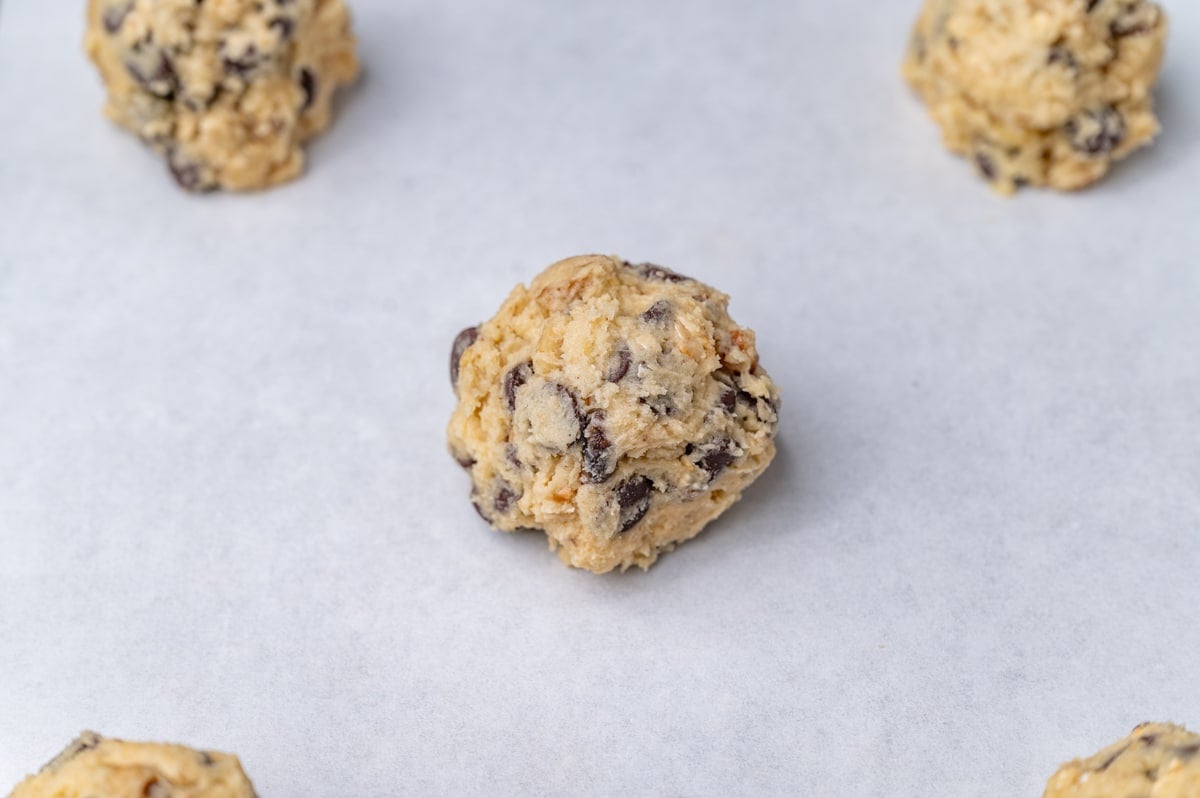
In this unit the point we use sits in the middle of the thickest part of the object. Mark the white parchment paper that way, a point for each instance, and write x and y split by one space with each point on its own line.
227 516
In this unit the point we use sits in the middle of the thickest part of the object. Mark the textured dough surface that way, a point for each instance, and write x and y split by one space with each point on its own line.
95 767
617 407
1158 760
226 90
1041 92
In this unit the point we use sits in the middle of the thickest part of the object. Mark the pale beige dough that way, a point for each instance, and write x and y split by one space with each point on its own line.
1158 760
226 90
616 407
1041 92
95 767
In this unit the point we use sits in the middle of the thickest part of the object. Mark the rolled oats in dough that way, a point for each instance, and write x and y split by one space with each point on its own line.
226 90
95 767
1158 760
1040 92
614 406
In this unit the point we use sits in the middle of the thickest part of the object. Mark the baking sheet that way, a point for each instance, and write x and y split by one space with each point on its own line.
227 516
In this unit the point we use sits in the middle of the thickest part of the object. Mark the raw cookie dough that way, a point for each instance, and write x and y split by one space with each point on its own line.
615 406
95 767
226 90
1041 92
1158 760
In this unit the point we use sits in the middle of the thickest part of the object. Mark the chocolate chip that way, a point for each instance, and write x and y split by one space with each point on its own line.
462 342
633 497
617 370
514 379
659 313
1134 19
308 84
1092 5
660 405
465 462
715 457
986 166
241 65
569 396
1148 739
285 26
1188 752
598 461
728 400
754 402
114 16
510 455
505 498
162 82
1059 54
206 759
1096 132
1108 762
651 272
187 175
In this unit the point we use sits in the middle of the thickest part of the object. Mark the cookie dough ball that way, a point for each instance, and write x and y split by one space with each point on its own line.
614 406
1158 760
1041 92
95 767
227 90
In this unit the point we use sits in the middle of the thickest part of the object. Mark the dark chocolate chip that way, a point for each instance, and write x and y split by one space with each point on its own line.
1148 739
633 497
465 462
114 16
660 405
1059 54
187 175
651 272
510 454
618 369
986 166
598 461
308 84
241 65
1092 5
1108 762
162 82
570 397
715 457
1135 21
505 498
206 759
514 379
658 313
1188 752
1096 132
462 342
285 26
728 400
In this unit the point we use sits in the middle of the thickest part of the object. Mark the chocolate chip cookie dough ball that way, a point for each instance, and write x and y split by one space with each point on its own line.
1158 760
95 767
1041 92
227 90
614 406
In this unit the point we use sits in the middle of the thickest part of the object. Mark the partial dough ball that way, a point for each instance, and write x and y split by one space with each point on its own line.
227 90
1039 92
1158 760
96 767
614 406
